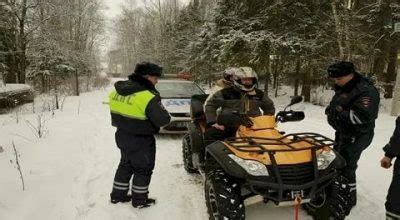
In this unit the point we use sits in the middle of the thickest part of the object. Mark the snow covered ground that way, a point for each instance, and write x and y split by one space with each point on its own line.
69 173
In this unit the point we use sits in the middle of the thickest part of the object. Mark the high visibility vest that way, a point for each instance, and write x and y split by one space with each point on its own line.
131 106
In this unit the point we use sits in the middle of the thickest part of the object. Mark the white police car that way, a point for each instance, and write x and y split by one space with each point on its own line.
175 96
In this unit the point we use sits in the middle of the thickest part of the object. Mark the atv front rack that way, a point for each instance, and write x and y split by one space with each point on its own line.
257 144
280 185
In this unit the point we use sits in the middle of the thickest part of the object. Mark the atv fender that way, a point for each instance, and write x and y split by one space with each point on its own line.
219 152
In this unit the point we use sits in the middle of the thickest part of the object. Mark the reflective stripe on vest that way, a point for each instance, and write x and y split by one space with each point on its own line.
131 106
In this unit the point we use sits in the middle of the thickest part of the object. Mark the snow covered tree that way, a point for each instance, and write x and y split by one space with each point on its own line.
73 27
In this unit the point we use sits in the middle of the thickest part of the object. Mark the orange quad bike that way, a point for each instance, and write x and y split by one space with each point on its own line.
259 160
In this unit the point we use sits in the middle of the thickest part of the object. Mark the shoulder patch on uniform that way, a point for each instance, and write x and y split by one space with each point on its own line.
366 101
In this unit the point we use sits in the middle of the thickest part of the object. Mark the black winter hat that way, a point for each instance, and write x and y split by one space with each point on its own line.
147 68
339 69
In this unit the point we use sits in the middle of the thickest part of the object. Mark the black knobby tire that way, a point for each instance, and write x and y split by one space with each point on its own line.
319 208
223 197
196 140
187 155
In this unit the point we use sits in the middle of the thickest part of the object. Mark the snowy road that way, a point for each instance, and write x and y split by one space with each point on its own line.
69 173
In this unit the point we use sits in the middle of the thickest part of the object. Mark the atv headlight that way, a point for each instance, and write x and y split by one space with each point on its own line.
325 158
252 167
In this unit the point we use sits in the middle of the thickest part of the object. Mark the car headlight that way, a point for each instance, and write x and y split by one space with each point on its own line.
325 158
252 167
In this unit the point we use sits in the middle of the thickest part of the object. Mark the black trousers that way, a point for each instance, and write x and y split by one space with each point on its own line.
137 160
212 134
350 148
393 198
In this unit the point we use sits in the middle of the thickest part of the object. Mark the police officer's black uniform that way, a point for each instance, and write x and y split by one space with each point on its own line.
392 150
352 113
137 112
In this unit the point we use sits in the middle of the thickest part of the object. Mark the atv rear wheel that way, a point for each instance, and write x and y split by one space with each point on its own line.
223 197
187 155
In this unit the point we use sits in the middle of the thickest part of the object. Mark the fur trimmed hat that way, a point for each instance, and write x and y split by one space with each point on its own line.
147 68
339 69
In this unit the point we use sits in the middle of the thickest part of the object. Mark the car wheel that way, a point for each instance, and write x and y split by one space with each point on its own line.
223 197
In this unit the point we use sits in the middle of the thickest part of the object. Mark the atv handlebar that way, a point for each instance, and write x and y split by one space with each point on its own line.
285 116
236 119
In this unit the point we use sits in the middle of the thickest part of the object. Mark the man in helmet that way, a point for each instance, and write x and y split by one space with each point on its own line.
227 78
225 82
242 97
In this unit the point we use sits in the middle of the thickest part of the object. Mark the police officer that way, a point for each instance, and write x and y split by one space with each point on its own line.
352 113
242 97
137 112
392 150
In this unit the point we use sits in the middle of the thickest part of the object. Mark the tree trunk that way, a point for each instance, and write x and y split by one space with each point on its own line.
390 75
266 82
55 85
396 94
306 89
338 29
42 79
21 45
275 72
296 77
279 71
383 43
276 87
267 69
76 83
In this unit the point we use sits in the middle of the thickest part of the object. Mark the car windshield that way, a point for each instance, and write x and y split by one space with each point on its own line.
178 89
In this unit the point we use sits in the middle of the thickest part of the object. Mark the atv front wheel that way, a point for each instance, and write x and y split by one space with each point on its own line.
187 155
223 197
319 208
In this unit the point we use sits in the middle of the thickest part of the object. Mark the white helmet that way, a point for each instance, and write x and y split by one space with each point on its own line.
242 73
229 72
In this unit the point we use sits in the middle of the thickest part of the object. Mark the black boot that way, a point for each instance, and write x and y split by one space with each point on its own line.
125 198
143 203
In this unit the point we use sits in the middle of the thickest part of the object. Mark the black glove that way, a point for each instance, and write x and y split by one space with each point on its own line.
327 110
331 117
247 121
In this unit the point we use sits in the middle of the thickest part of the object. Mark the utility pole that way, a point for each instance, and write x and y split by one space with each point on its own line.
396 95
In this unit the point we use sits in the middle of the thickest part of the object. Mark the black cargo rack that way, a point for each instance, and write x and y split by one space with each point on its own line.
315 140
